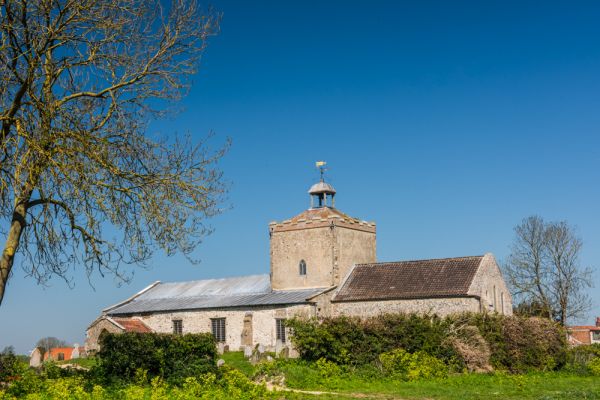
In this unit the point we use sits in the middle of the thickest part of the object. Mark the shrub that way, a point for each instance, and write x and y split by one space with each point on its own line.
471 341
594 366
130 355
472 349
579 357
520 344
327 369
401 364
353 341
10 366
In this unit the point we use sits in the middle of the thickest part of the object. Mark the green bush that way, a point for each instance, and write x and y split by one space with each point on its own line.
10 365
465 341
132 355
520 344
401 364
579 357
594 366
352 341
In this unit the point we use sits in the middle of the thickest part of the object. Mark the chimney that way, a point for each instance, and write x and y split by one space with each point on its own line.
598 322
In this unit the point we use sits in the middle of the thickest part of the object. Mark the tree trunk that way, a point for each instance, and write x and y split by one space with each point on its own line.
11 246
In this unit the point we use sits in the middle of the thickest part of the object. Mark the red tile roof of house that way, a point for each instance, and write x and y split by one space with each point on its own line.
133 325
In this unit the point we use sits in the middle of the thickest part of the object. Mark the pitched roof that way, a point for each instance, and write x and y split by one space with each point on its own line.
585 327
254 290
443 277
133 325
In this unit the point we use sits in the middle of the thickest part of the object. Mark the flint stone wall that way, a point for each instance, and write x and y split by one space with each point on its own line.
263 322
489 285
94 331
439 306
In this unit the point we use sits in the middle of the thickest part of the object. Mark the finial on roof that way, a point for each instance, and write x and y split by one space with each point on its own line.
321 191
321 165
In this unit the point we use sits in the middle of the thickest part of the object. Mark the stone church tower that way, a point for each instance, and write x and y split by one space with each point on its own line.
318 247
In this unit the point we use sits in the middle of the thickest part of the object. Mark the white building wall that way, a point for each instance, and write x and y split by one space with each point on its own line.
263 322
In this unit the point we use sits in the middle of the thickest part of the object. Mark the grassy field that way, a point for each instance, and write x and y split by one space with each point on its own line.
366 384
298 380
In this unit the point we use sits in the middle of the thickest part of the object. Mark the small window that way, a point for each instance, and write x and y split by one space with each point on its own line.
302 267
280 329
177 326
502 302
61 356
596 336
218 329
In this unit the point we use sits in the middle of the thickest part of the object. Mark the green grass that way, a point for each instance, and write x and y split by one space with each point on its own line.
368 382
84 362
237 360
551 385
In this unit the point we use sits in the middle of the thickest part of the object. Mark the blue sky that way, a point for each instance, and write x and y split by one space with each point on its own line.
446 123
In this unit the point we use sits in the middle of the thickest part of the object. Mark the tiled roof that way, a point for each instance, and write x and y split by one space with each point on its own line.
410 279
133 325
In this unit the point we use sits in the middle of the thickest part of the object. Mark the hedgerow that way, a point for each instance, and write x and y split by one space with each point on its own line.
467 341
354 341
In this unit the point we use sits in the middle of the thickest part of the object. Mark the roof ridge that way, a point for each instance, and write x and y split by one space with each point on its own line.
421 260
217 279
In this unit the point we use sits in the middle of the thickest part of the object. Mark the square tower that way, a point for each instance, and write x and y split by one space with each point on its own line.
318 247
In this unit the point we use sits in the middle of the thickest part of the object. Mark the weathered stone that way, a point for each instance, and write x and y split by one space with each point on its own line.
220 362
247 330
247 351
278 347
284 352
328 241
220 348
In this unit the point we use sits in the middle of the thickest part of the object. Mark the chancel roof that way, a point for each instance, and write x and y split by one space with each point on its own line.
253 290
444 277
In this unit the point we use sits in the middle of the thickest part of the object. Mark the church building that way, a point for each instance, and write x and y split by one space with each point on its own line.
322 263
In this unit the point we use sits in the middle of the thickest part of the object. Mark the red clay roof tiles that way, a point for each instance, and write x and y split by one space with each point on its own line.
132 325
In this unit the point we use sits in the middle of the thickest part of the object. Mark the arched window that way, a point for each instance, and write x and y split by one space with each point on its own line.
302 267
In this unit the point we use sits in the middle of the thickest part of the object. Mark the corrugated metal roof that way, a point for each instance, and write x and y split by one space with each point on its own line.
209 287
254 290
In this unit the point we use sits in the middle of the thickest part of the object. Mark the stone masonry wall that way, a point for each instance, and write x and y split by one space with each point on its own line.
439 306
263 322
330 247
352 247
94 331
314 246
489 285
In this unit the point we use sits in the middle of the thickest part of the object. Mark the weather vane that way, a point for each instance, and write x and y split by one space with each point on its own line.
321 165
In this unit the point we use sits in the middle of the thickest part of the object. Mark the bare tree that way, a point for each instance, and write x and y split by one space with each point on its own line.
568 281
50 342
80 181
544 272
